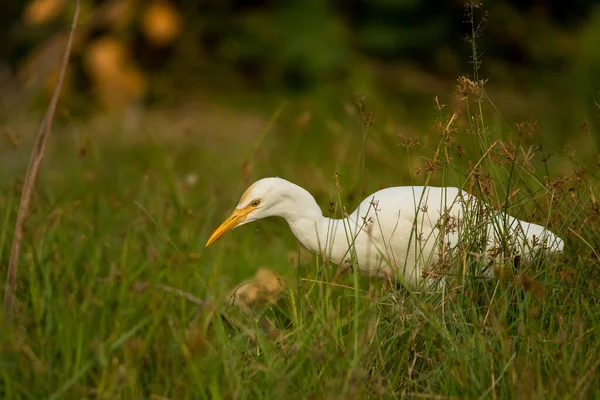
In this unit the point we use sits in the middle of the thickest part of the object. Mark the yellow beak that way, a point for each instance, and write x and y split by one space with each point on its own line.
238 216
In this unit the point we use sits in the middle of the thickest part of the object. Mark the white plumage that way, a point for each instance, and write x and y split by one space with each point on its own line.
395 232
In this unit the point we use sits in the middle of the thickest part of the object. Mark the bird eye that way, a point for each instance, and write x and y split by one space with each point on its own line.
255 202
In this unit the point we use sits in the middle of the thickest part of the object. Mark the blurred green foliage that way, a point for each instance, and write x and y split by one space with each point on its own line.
116 214
287 45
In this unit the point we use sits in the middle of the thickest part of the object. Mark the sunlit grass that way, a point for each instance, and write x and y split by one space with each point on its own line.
118 297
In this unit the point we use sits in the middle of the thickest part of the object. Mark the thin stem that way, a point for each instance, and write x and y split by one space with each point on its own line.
35 161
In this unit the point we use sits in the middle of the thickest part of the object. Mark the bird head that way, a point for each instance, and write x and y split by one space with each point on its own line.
263 199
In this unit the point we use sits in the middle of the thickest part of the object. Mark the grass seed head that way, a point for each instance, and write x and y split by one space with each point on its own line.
466 88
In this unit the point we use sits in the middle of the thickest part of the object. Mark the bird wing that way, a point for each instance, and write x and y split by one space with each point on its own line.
401 225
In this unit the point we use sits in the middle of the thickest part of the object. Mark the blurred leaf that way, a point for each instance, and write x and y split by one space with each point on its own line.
161 23
43 11
117 79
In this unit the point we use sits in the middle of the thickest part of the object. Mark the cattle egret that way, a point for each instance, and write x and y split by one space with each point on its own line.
395 232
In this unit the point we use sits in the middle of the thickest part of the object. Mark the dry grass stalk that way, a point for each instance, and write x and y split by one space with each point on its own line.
37 154
188 296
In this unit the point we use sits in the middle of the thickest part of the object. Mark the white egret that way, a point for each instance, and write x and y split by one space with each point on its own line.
395 232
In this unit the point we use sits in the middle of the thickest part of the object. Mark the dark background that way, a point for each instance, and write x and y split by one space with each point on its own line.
541 59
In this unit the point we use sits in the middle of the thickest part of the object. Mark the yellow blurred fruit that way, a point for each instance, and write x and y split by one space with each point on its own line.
118 81
42 11
104 57
161 23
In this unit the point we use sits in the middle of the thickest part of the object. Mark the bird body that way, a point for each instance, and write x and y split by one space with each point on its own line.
395 232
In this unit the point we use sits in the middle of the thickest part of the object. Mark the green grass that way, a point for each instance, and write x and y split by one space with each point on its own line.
110 222
118 297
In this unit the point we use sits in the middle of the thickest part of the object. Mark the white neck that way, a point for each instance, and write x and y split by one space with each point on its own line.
319 234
